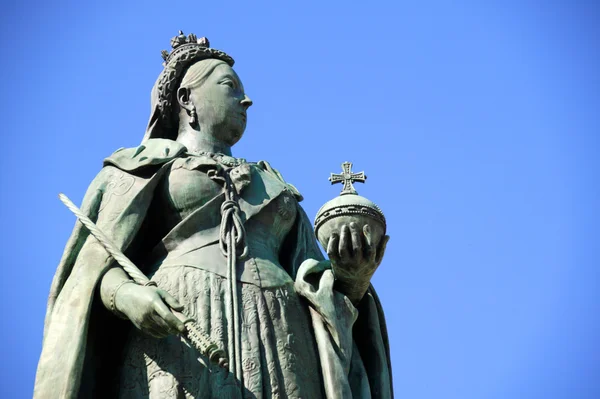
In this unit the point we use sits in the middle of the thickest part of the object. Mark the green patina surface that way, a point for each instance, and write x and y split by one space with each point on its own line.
225 242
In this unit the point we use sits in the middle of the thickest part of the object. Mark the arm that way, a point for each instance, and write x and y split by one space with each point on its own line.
120 217
145 306
350 248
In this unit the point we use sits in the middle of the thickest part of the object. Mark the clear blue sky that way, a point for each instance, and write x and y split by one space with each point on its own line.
477 123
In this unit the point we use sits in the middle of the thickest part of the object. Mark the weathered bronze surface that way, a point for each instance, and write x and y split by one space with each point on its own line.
221 241
363 219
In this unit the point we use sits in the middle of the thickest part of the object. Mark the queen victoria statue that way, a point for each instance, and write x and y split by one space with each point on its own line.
227 294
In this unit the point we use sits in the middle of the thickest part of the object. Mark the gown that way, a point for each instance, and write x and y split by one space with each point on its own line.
299 337
279 354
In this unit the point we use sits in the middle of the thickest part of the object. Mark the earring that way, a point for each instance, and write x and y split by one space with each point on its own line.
193 115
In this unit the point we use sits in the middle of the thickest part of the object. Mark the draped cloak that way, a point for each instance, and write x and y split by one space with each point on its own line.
82 340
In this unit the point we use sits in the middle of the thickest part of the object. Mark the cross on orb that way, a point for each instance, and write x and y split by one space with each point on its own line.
347 178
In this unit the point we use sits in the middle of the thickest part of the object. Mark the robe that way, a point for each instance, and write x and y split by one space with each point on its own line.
82 340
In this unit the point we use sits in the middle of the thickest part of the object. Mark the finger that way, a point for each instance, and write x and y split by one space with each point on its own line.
345 242
170 300
160 327
381 249
149 329
175 325
332 246
355 234
328 279
369 249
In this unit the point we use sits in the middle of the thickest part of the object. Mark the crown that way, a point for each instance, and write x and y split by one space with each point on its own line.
182 42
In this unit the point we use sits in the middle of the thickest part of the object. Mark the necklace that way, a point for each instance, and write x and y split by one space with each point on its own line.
221 158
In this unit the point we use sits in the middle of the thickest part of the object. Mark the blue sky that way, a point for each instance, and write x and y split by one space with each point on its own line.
477 124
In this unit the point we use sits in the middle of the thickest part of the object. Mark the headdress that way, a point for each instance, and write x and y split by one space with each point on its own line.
186 50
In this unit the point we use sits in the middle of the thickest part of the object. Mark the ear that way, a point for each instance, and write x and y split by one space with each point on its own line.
183 98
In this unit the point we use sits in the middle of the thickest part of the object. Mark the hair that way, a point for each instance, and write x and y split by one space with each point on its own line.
194 77
198 72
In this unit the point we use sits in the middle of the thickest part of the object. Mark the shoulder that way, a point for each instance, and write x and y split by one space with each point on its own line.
152 152
128 170
264 165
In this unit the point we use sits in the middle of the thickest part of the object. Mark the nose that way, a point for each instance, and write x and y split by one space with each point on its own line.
246 102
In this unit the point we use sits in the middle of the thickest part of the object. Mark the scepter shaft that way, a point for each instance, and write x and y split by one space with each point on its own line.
107 243
199 340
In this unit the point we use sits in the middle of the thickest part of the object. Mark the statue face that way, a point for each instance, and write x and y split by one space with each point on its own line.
221 105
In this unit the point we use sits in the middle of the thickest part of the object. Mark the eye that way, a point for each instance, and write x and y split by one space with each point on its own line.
228 82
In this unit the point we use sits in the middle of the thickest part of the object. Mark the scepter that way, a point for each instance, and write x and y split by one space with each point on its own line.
199 340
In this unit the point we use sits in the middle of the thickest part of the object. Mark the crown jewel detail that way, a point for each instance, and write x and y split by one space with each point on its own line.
182 40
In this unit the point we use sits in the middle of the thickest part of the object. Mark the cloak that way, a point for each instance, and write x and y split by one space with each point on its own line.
82 340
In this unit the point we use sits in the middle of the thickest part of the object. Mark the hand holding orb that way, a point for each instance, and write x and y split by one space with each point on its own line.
352 230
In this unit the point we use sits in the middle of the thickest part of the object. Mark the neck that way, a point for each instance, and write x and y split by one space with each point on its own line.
196 141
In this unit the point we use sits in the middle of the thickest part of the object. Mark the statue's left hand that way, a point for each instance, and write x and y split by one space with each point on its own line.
353 247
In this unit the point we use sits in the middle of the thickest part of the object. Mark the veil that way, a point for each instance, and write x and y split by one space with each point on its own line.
156 126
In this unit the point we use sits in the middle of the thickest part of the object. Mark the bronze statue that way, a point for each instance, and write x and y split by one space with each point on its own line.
223 242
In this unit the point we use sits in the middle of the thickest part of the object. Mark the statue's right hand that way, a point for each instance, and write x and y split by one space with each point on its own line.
146 307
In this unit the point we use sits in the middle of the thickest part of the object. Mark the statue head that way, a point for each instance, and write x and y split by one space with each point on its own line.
212 101
198 89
